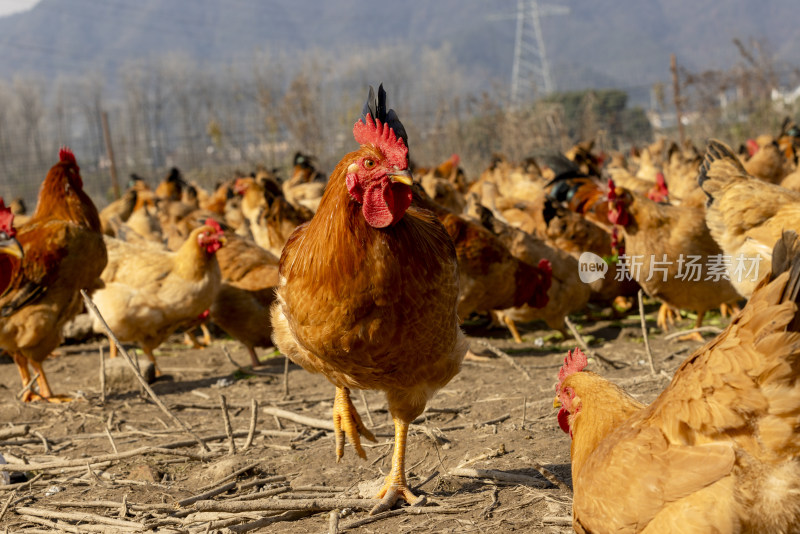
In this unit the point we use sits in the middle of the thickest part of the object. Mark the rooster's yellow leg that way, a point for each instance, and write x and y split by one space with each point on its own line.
254 361
347 421
695 336
513 328
190 340
44 388
206 334
24 374
112 348
729 310
150 356
396 486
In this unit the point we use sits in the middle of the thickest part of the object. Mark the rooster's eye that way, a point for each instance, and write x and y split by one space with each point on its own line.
368 163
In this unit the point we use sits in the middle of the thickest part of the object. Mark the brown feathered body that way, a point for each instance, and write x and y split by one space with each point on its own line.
242 305
371 308
718 450
491 278
769 164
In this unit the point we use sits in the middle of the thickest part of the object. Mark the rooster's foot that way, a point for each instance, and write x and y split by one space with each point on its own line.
346 421
391 492
666 318
694 336
54 399
729 310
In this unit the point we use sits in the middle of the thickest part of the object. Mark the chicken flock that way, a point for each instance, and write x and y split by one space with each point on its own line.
366 277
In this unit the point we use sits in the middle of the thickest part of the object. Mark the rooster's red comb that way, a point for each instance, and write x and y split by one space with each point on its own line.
546 266
373 132
574 362
65 154
6 220
382 128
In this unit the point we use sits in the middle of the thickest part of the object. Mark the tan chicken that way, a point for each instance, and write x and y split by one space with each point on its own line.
718 450
149 293
769 163
305 187
272 219
669 250
745 215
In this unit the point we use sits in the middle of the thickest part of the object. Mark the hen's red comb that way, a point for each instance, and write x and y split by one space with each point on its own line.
65 154
546 266
6 220
574 362
214 224
455 159
373 132
612 193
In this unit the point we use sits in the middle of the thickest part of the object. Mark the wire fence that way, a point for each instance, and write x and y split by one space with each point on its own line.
210 124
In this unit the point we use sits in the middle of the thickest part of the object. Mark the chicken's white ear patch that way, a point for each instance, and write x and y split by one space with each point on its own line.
352 168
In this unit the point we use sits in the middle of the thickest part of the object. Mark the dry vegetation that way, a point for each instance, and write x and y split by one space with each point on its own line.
487 453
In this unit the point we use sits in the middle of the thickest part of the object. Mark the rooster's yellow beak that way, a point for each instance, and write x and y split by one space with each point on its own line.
556 403
403 177
11 247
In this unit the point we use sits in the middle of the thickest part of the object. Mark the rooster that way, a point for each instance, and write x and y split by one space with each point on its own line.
368 291
64 253
150 292
10 250
717 451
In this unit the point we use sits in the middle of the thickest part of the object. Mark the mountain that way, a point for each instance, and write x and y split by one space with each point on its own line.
604 43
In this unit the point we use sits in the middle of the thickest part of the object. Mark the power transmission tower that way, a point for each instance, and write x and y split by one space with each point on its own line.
530 74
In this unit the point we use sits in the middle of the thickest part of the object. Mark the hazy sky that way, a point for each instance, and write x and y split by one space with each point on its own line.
8 7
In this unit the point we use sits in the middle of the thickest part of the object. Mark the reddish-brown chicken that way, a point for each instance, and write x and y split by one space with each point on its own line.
10 250
64 253
718 450
369 289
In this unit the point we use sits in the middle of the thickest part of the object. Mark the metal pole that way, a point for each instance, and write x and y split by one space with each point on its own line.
673 66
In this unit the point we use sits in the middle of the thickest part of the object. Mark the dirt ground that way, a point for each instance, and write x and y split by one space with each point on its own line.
490 417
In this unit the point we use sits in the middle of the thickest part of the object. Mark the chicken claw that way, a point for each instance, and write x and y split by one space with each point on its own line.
729 310
512 328
396 486
45 394
694 336
666 318
347 421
